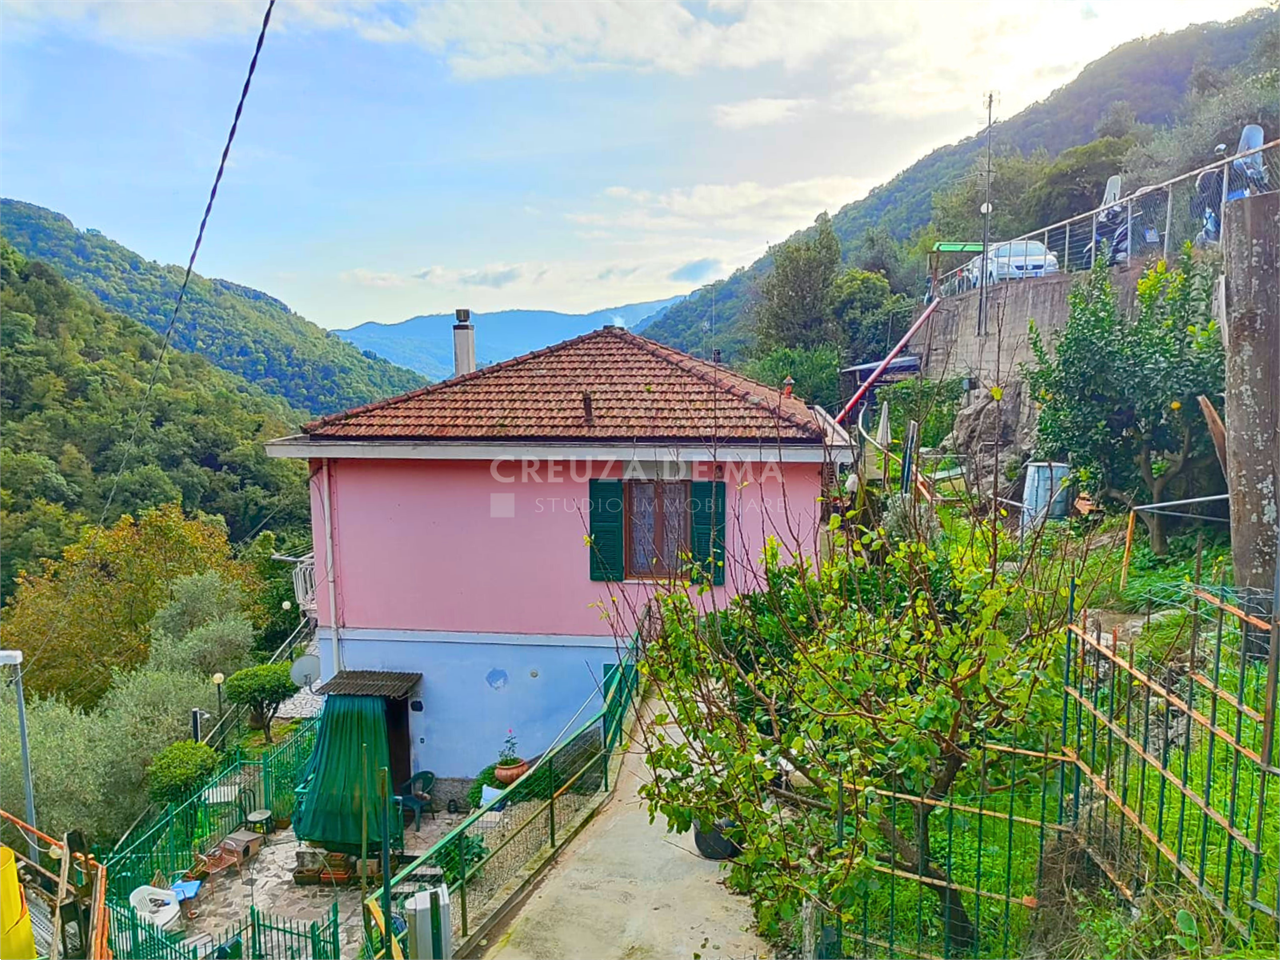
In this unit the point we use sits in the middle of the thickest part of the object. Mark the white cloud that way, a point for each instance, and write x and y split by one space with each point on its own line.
759 112
372 278
901 59
746 210
494 276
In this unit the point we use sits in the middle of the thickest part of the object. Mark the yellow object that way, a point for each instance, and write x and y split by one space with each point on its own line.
16 939
1176 405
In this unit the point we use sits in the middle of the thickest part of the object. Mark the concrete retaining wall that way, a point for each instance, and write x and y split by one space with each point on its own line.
952 347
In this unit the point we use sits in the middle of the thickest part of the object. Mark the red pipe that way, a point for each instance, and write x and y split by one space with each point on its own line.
884 364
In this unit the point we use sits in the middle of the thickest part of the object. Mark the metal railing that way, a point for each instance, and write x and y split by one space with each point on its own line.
175 843
1154 220
485 857
257 935
304 584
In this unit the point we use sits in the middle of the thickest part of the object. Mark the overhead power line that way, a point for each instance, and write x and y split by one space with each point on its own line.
168 335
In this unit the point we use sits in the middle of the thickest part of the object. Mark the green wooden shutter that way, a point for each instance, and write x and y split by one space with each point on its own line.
706 529
608 542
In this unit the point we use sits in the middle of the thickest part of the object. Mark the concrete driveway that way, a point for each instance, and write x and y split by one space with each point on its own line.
626 888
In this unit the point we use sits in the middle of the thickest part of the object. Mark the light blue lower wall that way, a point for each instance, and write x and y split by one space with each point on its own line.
476 687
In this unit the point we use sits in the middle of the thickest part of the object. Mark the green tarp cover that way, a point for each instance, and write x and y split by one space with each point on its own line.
342 781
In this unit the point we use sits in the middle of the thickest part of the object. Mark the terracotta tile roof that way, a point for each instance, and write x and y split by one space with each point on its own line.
639 391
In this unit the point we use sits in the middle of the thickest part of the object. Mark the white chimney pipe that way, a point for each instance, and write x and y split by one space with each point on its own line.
464 343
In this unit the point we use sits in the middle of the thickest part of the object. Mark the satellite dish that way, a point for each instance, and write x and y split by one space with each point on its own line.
305 670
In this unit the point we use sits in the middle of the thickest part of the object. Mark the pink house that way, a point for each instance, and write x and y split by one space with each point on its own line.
501 532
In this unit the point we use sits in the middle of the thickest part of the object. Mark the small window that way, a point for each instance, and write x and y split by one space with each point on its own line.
657 525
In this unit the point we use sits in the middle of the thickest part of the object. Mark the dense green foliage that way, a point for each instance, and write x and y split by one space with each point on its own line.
262 689
102 783
1192 77
816 372
178 769
793 308
931 403
239 329
882 671
72 378
87 615
1118 393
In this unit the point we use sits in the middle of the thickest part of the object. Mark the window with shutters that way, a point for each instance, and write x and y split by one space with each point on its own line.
657 527
645 529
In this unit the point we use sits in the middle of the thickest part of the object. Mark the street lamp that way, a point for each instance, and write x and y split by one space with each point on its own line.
217 682
13 658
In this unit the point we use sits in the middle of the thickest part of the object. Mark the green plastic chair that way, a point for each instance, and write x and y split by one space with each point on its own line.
408 798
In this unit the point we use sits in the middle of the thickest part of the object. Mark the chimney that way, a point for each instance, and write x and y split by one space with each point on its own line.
464 343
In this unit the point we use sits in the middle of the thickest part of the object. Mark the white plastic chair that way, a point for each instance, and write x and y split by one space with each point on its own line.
157 906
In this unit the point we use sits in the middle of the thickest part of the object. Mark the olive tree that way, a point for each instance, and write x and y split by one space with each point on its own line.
262 689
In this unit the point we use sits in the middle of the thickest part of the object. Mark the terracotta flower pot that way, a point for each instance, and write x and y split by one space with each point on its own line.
509 773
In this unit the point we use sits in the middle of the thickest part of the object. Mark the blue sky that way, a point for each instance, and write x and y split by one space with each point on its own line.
398 159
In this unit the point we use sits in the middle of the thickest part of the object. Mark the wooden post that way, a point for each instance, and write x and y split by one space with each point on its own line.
1128 548
1251 332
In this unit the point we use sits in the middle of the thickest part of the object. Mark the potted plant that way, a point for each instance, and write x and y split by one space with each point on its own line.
510 767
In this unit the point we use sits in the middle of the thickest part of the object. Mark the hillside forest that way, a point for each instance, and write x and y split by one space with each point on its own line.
73 377
237 328
1149 110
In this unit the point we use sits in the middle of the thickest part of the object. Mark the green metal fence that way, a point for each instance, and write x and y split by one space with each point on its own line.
1175 739
259 935
486 857
171 845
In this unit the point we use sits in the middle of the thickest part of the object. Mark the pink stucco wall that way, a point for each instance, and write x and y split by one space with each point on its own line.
418 549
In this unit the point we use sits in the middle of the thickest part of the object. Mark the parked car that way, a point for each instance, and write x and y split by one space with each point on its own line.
1014 260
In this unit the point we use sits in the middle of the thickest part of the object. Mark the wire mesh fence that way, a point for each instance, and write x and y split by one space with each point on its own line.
174 844
983 878
1175 743
1155 221
485 858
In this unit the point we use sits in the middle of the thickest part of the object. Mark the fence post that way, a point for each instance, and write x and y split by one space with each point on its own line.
608 747
1066 251
1131 254
253 931
551 805
266 779
1168 219
462 872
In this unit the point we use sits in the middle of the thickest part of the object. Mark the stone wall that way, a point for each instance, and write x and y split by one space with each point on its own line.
992 434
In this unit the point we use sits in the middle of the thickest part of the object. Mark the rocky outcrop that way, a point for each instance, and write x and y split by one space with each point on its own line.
987 429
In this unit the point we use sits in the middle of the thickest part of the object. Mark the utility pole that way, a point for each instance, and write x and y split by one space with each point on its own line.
986 225
13 658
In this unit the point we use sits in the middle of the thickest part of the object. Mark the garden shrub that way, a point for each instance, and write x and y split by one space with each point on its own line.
179 769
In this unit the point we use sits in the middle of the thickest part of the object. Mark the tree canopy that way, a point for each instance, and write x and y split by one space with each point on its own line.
1118 393
88 613
242 330
72 378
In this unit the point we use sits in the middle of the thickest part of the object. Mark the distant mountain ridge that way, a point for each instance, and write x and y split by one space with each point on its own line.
237 328
1151 74
425 343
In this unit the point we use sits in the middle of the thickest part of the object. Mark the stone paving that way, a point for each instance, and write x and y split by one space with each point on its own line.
267 883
